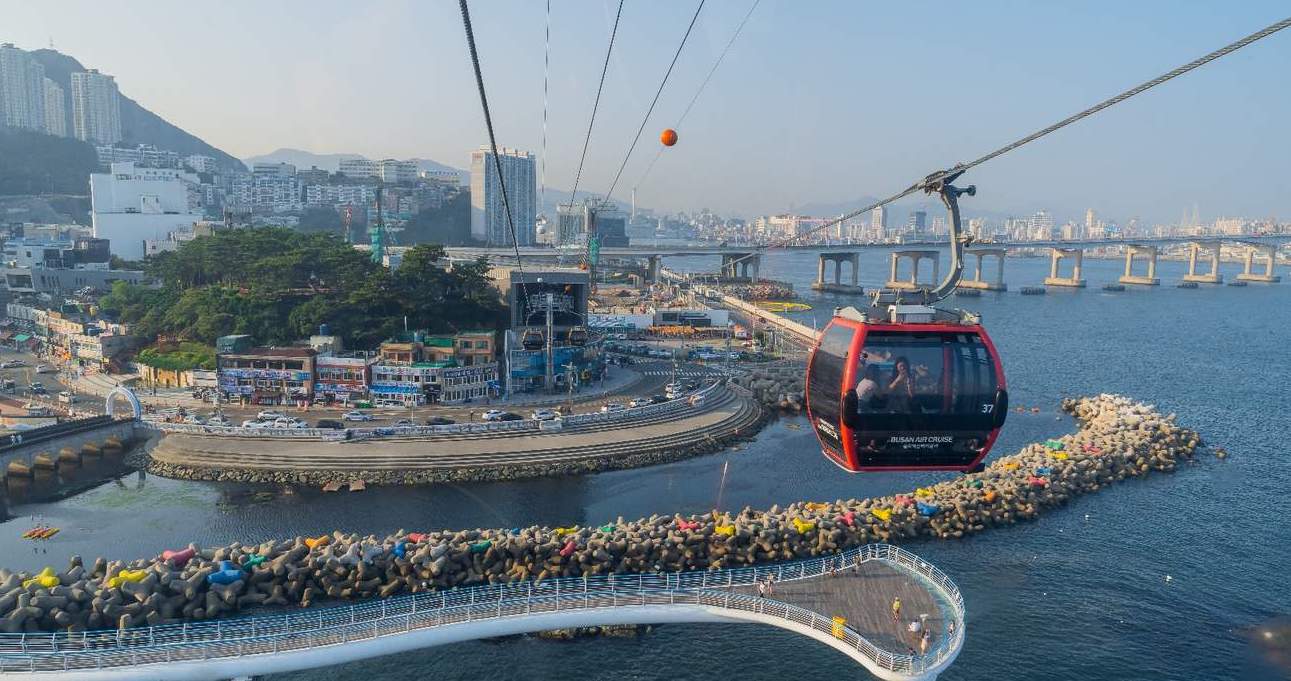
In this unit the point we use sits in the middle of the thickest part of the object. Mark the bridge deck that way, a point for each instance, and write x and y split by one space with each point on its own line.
863 595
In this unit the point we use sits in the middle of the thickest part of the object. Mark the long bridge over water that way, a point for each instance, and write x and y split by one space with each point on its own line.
744 262
839 600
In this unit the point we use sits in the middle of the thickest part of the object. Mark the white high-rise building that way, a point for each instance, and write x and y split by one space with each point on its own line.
22 89
488 213
96 108
1041 225
879 222
130 205
55 109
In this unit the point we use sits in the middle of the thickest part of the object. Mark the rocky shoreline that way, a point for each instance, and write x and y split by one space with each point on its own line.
779 387
1117 439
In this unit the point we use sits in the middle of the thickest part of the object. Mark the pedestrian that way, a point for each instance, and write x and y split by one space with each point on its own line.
896 609
762 589
925 641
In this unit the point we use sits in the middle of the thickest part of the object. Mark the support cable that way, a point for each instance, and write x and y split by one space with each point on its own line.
658 92
596 104
931 182
488 123
700 91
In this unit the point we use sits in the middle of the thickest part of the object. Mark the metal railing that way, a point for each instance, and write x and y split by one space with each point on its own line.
422 432
271 634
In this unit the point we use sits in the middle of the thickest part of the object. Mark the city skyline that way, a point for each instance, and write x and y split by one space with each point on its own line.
749 147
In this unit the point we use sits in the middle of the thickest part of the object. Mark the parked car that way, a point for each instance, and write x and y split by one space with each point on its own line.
330 424
493 415
217 420
612 407
640 402
404 423
38 388
269 415
439 421
509 416
658 399
253 423
289 422
672 390
356 415
191 419
12 364
543 415
45 369
66 397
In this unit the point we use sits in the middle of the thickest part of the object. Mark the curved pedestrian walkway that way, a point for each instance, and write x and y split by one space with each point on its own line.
851 592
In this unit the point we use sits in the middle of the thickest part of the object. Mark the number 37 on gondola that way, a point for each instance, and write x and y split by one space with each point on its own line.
897 396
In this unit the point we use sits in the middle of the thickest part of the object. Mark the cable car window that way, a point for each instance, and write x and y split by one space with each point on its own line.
923 398
826 380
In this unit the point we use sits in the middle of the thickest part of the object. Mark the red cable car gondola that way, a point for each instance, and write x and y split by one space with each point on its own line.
908 387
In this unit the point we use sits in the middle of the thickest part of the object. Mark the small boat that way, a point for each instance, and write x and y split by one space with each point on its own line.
332 486
40 533
358 485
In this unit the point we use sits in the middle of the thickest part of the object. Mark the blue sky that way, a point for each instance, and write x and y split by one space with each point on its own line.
817 101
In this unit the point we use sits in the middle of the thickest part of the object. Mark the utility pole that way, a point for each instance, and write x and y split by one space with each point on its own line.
569 379
550 363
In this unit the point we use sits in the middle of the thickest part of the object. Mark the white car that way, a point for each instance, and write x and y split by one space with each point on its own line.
543 415
195 420
494 415
639 402
45 369
288 422
356 416
12 364
253 423
217 420
673 390
269 415
612 407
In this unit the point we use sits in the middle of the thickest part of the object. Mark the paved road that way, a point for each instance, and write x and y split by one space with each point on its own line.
724 414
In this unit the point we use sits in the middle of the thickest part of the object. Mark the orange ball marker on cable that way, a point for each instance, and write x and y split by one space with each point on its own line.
668 137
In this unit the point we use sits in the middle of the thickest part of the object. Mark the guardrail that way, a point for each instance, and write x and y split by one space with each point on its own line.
272 634
422 432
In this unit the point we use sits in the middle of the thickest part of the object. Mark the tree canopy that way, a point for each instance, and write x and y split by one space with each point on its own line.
279 285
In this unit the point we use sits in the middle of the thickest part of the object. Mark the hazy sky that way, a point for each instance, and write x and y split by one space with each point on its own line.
816 102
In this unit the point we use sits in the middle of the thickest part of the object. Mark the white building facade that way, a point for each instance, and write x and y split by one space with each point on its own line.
55 109
130 205
96 108
22 89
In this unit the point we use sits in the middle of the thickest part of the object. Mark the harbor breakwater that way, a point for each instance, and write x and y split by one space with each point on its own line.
1116 439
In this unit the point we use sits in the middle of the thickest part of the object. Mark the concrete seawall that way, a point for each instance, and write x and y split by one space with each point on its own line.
1117 439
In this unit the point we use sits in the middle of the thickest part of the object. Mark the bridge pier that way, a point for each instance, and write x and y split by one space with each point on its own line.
1130 277
837 286
976 282
1056 257
915 258
741 266
653 263
1248 273
1212 277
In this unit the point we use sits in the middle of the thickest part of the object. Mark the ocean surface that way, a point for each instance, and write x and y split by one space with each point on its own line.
1079 594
